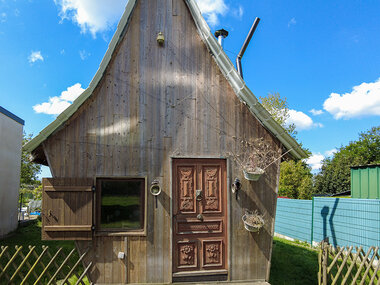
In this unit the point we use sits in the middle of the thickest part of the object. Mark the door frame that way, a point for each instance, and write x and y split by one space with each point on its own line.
228 206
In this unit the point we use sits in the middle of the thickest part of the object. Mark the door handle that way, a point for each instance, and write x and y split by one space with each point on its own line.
200 217
198 195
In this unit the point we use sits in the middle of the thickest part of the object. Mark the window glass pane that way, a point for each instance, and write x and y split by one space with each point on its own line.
122 204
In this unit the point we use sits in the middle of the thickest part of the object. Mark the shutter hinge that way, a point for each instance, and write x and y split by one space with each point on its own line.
93 188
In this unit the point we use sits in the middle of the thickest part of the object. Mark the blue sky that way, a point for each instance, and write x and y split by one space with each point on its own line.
323 56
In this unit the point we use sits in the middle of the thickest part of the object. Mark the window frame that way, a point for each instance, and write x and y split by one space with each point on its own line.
97 208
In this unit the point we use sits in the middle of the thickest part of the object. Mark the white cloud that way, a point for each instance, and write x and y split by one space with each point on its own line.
72 92
292 21
212 9
3 17
331 152
239 12
364 100
84 54
96 16
316 112
57 105
315 161
35 56
92 15
301 120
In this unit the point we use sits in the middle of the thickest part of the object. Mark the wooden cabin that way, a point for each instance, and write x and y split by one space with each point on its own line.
141 161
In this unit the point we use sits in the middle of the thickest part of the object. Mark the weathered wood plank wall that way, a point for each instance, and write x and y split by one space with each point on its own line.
154 103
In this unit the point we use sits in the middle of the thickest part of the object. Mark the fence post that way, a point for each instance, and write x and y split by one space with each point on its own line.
312 221
320 266
325 258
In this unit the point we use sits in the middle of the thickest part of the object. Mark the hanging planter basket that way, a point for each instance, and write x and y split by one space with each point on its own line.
253 175
253 222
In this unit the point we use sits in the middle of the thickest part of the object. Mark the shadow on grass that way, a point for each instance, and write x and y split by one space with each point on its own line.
293 264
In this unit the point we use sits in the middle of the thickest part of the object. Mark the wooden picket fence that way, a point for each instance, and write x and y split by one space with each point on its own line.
42 266
348 265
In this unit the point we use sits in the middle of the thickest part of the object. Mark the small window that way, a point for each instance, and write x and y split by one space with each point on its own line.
122 204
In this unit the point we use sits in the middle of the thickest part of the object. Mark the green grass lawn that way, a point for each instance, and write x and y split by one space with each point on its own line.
31 235
292 263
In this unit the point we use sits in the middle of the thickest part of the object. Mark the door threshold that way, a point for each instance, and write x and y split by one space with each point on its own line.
201 276
200 273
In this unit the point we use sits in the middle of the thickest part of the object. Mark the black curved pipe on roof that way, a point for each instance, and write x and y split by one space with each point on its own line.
245 45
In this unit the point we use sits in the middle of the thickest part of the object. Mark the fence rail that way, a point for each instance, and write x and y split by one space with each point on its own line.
43 265
348 265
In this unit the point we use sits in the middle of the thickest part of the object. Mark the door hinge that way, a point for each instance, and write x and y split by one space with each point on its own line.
93 227
93 188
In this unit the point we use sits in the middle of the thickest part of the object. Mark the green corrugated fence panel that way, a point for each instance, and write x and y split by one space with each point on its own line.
364 177
365 182
355 183
374 184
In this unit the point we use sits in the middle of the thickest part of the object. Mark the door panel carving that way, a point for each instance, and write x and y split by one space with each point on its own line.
199 244
197 227
186 186
212 253
211 177
187 254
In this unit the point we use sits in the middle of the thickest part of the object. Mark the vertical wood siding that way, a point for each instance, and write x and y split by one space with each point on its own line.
154 103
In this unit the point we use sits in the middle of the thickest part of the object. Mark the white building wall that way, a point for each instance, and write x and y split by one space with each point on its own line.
10 164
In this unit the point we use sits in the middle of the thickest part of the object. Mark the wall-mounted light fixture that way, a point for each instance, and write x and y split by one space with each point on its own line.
160 38
236 186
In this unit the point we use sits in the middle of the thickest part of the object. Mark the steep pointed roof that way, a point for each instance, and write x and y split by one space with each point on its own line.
222 60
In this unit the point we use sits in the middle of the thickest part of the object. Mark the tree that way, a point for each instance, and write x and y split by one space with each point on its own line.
29 170
335 174
30 186
295 177
278 108
295 180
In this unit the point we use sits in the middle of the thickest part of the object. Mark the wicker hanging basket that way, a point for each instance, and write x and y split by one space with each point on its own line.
253 221
253 175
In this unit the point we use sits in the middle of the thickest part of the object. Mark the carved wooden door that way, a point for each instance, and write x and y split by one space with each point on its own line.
199 216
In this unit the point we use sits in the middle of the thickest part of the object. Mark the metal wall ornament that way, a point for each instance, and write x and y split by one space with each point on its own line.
155 188
236 187
161 38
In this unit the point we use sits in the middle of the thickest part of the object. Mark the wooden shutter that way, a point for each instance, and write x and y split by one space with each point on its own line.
67 209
